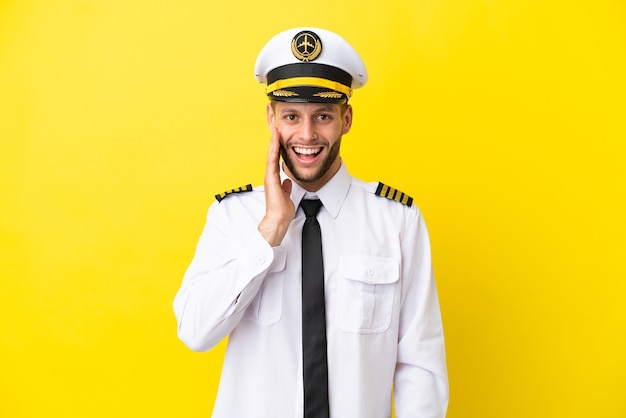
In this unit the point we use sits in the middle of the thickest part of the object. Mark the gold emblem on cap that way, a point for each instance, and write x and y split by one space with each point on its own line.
284 93
306 46
329 95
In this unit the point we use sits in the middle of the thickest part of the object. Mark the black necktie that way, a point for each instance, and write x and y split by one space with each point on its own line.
315 366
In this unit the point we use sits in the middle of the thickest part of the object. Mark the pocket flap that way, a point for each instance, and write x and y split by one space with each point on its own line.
368 269
280 257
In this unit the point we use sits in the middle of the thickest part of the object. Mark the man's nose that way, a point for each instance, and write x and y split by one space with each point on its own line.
308 130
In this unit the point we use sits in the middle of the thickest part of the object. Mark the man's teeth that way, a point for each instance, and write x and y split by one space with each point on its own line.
307 151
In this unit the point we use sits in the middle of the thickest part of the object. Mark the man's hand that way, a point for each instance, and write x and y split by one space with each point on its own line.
279 209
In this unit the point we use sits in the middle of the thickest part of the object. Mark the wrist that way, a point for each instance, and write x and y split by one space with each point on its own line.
273 232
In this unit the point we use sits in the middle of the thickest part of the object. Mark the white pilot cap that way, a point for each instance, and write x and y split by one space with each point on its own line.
309 65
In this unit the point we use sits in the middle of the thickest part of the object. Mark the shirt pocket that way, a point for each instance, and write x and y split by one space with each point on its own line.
365 292
266 308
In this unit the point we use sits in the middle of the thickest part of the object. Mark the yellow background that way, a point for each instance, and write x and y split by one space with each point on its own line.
119 121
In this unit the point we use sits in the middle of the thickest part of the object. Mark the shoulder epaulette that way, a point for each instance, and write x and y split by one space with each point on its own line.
247 188
390 193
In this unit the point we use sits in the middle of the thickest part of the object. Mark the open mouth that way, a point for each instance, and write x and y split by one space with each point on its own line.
307 155
307 151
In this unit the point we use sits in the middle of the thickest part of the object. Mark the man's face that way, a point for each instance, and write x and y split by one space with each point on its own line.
310 139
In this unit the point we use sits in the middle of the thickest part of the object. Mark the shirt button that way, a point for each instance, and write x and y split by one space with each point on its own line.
371 272
260 259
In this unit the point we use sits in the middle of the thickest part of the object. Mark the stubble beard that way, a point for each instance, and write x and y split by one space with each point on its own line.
310 178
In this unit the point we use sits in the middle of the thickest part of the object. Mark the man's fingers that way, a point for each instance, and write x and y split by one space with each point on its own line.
274 151
272 171
279 208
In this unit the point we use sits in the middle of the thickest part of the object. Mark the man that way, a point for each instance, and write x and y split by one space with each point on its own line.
315 332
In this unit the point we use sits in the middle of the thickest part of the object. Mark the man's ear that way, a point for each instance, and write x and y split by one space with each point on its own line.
347 120
270 115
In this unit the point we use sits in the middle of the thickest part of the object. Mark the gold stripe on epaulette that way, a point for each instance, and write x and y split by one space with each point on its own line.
392 194
247 188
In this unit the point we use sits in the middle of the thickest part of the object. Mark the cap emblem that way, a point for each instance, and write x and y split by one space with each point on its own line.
306 46
284 93
329 95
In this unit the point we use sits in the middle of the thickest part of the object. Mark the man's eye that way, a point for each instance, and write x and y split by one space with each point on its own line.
290 117
324 117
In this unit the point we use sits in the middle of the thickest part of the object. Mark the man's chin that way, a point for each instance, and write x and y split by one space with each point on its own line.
306 177
301 174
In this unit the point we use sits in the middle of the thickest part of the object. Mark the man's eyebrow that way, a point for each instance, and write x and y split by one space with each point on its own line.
320 108
325 108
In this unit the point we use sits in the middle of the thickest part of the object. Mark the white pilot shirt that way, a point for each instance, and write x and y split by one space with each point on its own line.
384 327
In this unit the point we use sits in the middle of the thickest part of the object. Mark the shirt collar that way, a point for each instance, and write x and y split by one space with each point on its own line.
332 194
